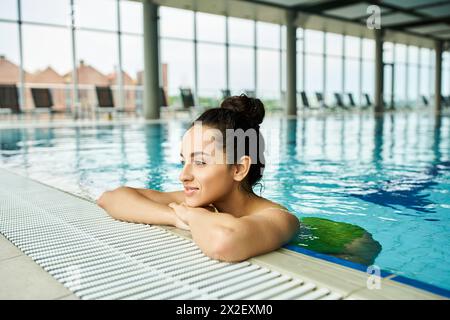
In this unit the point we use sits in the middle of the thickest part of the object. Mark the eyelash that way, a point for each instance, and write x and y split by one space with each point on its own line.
197 162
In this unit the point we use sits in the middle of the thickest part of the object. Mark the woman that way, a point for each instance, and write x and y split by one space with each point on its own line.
228 221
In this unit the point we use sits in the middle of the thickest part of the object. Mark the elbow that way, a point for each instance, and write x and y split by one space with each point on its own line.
223 247
106 198
103 199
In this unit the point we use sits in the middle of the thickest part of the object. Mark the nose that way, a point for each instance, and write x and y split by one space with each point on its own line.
186 174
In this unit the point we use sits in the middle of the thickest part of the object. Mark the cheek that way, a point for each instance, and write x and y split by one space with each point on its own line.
215 182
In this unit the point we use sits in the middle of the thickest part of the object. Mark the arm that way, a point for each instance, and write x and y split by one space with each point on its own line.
140 205
224 237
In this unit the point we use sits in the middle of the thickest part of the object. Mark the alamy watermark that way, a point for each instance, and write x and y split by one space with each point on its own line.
374 19
374 279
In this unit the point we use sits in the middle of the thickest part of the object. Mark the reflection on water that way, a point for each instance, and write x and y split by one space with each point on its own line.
390 175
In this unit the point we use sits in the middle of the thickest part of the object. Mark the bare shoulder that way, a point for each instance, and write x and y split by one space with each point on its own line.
273 214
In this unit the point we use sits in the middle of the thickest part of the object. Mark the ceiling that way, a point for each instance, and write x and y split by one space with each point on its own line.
425 18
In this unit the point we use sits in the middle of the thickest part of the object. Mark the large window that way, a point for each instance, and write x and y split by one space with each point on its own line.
268 58
334 72
300 55
446 74
180 67
47 64
211 62
241 69
8 10
400 75
413 75
46 11
210 27
176 23
98 14
131 17
368 65
353 67
9 53
211 72
241 55
241 31
268 35
133 68
425 75
48 49
269 76
314 61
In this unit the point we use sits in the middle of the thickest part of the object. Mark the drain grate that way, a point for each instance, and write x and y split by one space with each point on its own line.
97 257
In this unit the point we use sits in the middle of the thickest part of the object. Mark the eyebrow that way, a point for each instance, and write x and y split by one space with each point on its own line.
193 154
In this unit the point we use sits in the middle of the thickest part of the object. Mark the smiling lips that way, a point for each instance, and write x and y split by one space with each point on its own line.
189 191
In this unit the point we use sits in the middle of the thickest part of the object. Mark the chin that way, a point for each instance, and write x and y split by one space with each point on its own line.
195 202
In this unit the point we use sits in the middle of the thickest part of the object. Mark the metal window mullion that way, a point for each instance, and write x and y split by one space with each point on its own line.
418 74
120 67
360 70
407 75
303 60
195 57
431 73
281 65
344 78
21 70
227 54
255 61
75 93
324 69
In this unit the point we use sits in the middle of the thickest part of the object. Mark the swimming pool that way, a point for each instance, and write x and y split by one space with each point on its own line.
389 175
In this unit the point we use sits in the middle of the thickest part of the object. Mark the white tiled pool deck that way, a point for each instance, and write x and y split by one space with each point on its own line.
22 278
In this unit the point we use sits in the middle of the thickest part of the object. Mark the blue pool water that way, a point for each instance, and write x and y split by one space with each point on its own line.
389 175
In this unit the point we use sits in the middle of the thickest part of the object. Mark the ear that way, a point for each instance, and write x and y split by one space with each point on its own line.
242 168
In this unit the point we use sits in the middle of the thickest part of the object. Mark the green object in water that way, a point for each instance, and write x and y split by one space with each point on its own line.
340 239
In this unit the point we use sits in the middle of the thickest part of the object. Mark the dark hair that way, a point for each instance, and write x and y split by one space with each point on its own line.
240 112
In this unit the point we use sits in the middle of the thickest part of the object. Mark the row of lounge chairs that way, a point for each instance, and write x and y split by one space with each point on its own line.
351 104
339 101
43 101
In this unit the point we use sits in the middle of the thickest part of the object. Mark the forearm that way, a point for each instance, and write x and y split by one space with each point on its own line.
129 205
208 229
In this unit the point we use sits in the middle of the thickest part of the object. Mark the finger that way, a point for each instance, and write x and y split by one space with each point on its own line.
173 205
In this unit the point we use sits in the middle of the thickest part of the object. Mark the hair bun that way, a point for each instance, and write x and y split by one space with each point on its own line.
250 108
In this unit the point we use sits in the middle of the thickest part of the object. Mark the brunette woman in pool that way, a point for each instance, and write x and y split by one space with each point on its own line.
228 221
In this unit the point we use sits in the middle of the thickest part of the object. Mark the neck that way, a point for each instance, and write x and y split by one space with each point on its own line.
235 203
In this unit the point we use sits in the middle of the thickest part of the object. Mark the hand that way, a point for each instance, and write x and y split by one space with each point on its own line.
183 212
181 225
181 215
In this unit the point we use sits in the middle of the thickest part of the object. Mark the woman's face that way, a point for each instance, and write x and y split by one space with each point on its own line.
205 175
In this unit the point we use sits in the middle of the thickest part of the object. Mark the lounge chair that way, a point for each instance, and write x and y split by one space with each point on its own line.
43 101
368 101
340 101
9 99
188 101
445 101
165 106
351 100
321 101
305 101
425 101
105 101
